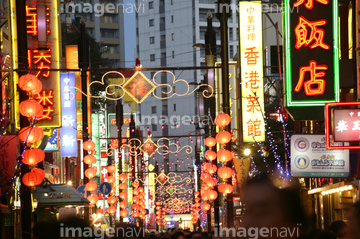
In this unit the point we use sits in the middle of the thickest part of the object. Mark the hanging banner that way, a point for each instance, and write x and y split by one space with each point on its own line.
311 159
68 133
251 60
311 52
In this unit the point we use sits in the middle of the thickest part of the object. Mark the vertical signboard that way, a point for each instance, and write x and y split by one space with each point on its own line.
68 141
311 52
102 131
251 60
94 138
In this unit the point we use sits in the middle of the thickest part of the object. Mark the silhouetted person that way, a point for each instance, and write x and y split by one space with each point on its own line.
353 226
321 234
338 228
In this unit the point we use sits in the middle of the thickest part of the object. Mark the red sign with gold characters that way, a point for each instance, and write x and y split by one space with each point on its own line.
311 52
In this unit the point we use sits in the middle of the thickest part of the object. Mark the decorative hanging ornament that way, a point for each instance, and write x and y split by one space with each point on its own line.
31 135
33 156
30 84
31 109
89 145
222 120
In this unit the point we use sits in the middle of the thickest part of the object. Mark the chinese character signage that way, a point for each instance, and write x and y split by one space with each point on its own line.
252 84
311 52
139 87
68 140
95 139
102 131
310 158
346 125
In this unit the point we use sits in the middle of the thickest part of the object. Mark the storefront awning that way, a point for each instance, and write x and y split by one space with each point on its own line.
58 195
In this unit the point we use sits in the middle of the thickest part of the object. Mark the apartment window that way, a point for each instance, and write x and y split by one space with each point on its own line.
231 34
153 110
174 89
152 74
109 19
173 54
171 2
153 127
151 5
164 108
152 40
172 18
174 107
152 57
172 36
151 22
231 51
109 33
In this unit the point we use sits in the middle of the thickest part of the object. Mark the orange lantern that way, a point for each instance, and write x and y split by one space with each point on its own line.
225 188
122 177
204 197
111 199
93 199
99 210
110 179
123 204
134 207
204 186
113 189
91 186
210 155
205 206
30 109
225 172
210 168
123 213
111 169
197 204
141 189
136 214
135 184
123 195
123 186
158 203
211 194
30 83
39 171
196 194
31 134
210 142
211 182
89 145
224 155
89 159
111 210
222 120
90 172
32 179
197 199
33 156
223 137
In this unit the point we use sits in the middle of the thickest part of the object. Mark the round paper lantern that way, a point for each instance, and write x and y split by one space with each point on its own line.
90 172
32 179
122 177
113 189
211 194
135 184
225 172
123 186
210 142
205 206
136 214
197 199
210 182
196 194
124 213
31 134
39 171
210 155
222 120
224 155
30 83
111 210
91 186
89 159
123 204
93 199
134 207
225 188
141 189
210 168
197 204
33 156
30 109
89 145
111 169
158 203
204 186
111 199
204 196
110 179
99 210
123 195
223 137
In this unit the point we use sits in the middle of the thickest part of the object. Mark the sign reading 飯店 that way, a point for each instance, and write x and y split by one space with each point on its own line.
311 52
310 158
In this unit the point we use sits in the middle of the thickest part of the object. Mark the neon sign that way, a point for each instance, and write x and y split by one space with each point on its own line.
311 53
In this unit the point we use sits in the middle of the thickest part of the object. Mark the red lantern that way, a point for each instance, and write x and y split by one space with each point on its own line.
123 204
222 120
197 204
30 83
225 172
89 159
111 210
90 172
32 179
210 168
110 179
136 214
89 145
93 199
205 206
99 210
225 188
210 142
123 195
196 194
224 155
223 137
31 135
39 171
204 197
111 199
158 203
30 109
111 169
210 155
91 186
33 156
122 177
123 186
197 199
211 194
204 186
124 213
210 182
135 184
